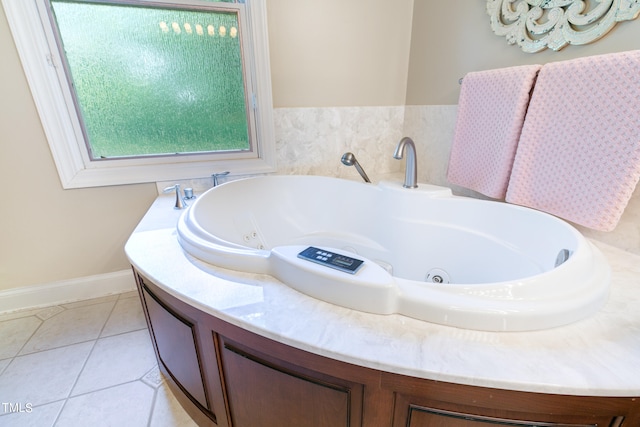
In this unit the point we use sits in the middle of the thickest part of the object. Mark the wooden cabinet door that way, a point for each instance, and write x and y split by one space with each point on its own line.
264 393
175 343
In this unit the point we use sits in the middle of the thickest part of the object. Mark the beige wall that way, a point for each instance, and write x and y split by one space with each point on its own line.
47 233
333 53
323 53
453 37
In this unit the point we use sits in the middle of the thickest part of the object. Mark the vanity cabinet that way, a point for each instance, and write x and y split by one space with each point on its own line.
224 375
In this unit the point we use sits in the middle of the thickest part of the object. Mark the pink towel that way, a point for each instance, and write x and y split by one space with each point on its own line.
579 153
491 110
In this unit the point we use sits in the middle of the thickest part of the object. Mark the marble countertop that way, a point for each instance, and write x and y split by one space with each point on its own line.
598 356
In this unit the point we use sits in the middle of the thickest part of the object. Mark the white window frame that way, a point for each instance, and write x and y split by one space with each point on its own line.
41 62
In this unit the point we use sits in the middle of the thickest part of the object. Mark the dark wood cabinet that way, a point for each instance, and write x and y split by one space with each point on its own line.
226 376
265 392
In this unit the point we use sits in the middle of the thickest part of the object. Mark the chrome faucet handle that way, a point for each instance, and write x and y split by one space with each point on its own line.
180 203
188 193
215 177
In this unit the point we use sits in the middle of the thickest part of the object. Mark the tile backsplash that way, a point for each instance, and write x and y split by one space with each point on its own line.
311 141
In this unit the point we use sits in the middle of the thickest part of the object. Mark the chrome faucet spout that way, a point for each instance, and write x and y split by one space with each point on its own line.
411 168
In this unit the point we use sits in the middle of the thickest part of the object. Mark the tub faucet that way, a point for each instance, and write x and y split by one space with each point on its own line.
180 201
217 176
411 171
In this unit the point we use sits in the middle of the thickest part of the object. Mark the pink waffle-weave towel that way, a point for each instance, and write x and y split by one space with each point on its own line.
491 110
579 154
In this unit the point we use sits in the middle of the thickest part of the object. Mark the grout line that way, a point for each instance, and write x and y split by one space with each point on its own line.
54 348
84 365
115 303
86 393
10 360
30 338
122 333
152 407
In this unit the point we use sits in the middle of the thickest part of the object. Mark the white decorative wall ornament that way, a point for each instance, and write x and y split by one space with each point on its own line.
539 24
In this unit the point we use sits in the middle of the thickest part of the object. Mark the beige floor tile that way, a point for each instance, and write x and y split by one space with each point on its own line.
127 316
70 326
38 416
167 412
124 405
15 333
116 360
43 377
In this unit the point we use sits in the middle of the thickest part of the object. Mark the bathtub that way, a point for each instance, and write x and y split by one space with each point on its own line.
424 252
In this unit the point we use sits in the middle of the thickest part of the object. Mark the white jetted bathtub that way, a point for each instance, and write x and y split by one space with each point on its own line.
424 253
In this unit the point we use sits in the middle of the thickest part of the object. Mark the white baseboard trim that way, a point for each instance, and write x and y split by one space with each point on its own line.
66 291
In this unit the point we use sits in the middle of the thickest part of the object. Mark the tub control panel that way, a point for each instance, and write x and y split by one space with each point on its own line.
331 259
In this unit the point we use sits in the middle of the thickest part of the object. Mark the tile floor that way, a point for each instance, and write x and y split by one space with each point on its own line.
89 363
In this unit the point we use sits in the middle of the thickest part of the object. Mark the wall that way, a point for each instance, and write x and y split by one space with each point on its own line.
451 38
334 53
46 233
328 53
454 37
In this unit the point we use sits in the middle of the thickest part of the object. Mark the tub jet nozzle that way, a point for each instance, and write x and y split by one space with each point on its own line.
348 159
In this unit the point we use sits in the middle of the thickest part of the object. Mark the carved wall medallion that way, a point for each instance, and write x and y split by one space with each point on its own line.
535 25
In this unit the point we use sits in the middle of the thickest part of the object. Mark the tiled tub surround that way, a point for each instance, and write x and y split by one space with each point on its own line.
80 364
311 141
597 356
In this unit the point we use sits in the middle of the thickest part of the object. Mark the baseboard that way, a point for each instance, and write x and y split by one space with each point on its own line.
66 291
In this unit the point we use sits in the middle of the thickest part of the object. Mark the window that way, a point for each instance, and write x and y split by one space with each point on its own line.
139 91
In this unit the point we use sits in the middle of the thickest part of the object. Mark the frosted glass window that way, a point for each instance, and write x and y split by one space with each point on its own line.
155 81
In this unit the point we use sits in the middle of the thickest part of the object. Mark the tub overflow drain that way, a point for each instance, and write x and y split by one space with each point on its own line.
437 275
